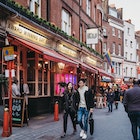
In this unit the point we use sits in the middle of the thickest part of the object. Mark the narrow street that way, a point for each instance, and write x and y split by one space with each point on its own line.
108 126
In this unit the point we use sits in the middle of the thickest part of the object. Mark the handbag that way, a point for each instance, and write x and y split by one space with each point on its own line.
91 123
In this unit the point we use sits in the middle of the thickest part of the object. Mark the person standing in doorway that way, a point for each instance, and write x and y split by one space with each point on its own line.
15 88
70 101
86 105
132 107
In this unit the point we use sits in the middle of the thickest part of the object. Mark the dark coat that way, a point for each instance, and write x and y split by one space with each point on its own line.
132 99
110 97
116 95
72 102
89 98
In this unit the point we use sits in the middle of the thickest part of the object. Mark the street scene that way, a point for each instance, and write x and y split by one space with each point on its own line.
108 126
69 69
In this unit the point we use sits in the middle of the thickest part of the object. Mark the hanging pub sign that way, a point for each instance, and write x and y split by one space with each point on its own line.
8 53
92 36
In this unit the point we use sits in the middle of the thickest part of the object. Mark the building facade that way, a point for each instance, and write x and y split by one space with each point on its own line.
129 66
50 46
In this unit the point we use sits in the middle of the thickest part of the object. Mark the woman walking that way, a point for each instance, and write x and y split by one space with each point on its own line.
70 100
110 99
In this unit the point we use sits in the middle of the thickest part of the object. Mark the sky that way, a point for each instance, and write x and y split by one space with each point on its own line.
131 10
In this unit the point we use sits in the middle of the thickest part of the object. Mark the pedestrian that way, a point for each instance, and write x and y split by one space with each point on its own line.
70 101
15 88
132 107
86 105
116 97
110 99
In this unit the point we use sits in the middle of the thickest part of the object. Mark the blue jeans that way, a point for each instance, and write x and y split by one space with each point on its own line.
135 122
110 106
83 112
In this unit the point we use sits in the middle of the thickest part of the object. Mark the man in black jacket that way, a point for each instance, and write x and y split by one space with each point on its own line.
86 105
132 107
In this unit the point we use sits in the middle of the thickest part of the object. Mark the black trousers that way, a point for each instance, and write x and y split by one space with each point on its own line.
65 119
135 122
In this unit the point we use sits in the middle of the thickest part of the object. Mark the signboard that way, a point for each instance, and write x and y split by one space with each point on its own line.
92 36
18 108
8 53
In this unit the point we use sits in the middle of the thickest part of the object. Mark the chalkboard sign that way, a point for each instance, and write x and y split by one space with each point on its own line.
18 108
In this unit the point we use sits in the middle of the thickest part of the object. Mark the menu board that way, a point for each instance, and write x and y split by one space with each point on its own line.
18 108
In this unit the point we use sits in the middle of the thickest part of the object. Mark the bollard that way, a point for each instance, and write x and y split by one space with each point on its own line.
56 111
6 131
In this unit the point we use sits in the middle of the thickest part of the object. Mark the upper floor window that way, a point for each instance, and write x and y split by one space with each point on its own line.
81 2
88 7
113 31
81 32
119 34
130 56
35 7
128 31
125 55
131 71
126 71
104 48
126 42
113 47
66 22
104 32
137 58
119 49
131 44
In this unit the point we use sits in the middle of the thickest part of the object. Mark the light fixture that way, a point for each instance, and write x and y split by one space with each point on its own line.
61 65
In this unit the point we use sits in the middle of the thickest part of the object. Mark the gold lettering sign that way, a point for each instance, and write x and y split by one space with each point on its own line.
67 51
90 60
25 33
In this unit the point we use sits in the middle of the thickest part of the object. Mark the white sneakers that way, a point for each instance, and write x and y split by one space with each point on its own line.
83 135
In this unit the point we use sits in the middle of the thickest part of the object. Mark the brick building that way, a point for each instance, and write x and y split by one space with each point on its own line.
50 46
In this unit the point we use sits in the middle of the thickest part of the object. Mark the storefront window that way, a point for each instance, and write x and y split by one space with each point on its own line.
63 78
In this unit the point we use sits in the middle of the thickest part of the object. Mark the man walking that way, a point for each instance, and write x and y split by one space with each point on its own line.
132 107
86 105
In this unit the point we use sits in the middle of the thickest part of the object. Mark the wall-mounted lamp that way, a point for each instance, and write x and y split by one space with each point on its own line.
61 65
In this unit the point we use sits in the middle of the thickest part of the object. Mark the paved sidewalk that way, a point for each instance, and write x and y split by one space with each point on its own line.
108 126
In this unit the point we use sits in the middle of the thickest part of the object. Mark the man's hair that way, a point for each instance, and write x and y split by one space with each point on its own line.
83 80
136 81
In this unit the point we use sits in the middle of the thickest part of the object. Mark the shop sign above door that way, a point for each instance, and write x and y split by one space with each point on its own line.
8 53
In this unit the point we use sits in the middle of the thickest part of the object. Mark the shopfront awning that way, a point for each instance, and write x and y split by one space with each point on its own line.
104 73
83 65
47 53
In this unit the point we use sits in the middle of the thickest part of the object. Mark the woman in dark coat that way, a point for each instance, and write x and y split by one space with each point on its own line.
110 99
116 97
70 101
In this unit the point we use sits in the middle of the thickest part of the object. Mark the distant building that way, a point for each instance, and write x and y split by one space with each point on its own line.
129 65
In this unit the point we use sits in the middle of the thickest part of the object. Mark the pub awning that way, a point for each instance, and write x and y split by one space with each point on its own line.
104 73
83 65
46 52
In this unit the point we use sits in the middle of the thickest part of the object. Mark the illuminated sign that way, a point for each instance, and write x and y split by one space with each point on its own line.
25 33
67 51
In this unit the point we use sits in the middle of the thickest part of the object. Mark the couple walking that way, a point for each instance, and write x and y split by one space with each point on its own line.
77 104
